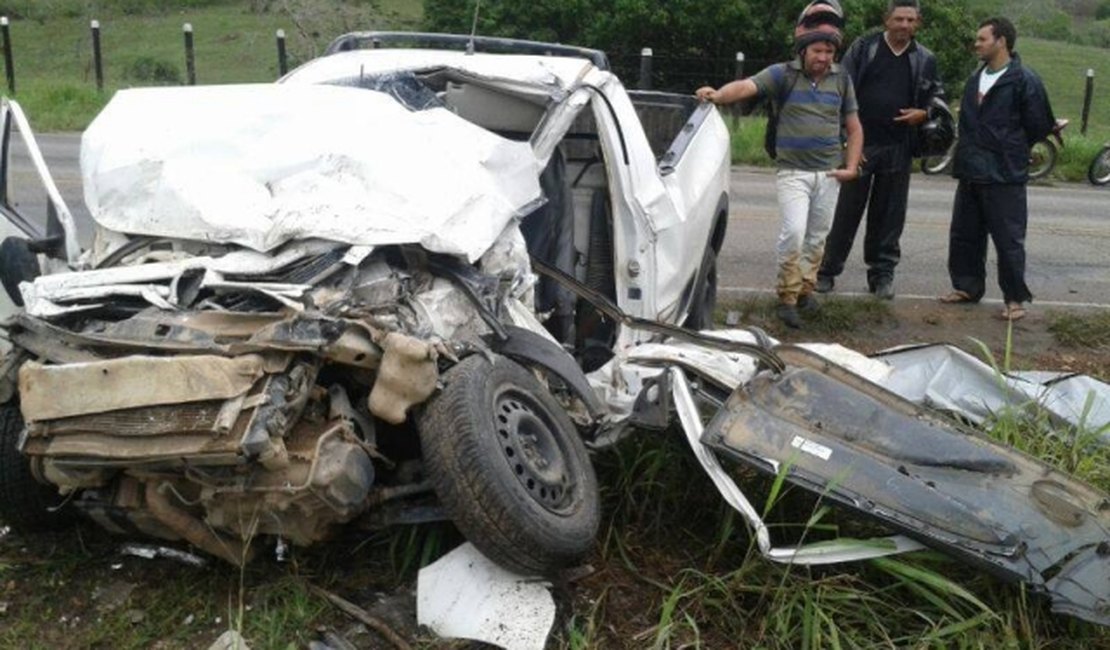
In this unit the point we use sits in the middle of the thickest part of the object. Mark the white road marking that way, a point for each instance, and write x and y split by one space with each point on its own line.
740 291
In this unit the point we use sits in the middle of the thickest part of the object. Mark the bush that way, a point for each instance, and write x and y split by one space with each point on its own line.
1096 33
147 70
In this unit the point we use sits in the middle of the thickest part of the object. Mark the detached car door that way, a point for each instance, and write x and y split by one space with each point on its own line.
28 246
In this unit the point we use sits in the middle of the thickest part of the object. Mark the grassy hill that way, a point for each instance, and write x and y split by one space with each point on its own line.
1063 67
55 81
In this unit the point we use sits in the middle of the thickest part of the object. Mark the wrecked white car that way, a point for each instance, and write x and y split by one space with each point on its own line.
408 283
311 301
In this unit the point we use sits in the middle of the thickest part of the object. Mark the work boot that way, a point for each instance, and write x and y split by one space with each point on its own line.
808 304
824 284
884 289
788 314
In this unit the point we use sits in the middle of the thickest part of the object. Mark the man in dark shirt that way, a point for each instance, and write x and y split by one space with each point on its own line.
895 79
1004 110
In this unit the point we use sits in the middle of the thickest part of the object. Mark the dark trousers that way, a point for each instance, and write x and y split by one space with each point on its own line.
997 210
884 195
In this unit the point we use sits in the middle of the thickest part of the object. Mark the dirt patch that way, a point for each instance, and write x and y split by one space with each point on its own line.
871 326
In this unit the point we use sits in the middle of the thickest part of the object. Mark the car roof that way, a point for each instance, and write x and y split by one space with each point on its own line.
563 72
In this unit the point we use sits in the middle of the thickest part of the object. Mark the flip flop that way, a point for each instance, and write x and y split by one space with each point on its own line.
957 297
1012 311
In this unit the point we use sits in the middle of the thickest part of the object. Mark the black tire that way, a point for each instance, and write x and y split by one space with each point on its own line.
509 468
25 504
931 165
1042 158
1099 171
705 294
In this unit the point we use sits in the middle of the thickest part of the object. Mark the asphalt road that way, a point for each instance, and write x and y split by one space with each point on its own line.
1068 243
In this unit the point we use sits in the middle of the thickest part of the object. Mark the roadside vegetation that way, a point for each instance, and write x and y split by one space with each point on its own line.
1083 331
837 317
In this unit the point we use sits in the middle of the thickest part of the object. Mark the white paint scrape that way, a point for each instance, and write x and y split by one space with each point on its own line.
465 595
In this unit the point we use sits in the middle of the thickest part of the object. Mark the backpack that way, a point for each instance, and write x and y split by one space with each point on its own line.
775 104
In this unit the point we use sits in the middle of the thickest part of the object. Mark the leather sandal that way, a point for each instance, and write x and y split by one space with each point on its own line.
956 297
1012 311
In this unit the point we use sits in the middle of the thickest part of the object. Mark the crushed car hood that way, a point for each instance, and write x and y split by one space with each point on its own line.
260 165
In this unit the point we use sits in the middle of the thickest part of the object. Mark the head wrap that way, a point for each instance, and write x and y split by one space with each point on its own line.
821 20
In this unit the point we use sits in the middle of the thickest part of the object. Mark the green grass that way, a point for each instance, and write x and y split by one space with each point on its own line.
666 580
837 317
1081 330
1062 67
55 81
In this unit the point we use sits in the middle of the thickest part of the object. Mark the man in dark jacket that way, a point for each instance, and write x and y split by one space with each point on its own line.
1004 111
895 79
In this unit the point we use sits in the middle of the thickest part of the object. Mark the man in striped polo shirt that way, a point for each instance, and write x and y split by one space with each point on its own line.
817 110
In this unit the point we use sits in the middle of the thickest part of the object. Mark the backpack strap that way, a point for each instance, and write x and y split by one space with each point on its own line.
789 80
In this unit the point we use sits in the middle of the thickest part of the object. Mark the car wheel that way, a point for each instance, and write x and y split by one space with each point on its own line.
1099 171
705 294
509 467
931 165
25 504
1042 158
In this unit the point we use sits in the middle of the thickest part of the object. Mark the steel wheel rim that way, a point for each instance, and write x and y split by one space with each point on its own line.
1100 168
536 455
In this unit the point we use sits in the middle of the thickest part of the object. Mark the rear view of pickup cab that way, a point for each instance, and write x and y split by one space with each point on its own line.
319 302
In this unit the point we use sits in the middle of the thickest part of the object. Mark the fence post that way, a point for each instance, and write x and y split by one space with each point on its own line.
283 62
9 68
1087 94
734 110
645 68
190 60
98 65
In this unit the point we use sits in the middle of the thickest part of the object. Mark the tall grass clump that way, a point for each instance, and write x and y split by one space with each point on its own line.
1087 330
838 315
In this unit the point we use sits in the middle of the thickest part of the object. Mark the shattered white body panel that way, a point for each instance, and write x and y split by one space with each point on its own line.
949 379
260 165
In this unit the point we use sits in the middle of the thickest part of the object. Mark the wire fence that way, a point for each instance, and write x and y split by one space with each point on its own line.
649 70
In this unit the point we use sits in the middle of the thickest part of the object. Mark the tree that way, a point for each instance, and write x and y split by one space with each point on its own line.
694 41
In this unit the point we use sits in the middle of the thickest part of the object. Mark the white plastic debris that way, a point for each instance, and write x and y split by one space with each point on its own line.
151 552
230 640
465 595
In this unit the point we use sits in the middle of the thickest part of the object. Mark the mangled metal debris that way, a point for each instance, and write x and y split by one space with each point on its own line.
949 379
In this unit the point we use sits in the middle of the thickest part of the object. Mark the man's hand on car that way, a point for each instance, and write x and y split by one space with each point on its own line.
706 94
